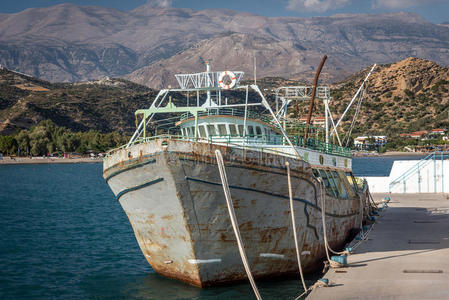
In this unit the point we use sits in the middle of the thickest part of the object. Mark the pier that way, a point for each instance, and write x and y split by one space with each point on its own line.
404 257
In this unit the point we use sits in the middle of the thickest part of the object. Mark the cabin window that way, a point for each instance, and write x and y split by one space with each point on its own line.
340 186
193 130
187 129
233 129
250 130
258 130
211 129
334 183
352 181
240 130
222 129
267 136
183 132
330 189
202 131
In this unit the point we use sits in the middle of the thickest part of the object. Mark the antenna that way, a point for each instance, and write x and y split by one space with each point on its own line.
255 66
208 83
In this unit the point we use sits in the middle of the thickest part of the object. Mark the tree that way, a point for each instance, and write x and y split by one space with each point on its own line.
8 144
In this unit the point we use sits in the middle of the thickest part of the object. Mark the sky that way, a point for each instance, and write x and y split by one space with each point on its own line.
436 11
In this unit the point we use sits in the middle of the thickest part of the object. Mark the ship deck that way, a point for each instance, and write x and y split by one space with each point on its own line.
405 256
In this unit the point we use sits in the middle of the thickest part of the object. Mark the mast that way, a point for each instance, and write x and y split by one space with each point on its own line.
312 99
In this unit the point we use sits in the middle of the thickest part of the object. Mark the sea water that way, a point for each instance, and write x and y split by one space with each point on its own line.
64 236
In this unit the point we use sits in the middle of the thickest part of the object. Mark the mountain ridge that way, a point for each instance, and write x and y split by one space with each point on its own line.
72 43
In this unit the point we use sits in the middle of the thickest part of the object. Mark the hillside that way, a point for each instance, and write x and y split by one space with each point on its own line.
409 95
147 45
105 105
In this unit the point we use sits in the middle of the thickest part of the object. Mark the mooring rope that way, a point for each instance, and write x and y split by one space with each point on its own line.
323 219
298 253
224 181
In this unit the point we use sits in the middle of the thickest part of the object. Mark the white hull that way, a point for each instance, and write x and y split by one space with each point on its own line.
172 194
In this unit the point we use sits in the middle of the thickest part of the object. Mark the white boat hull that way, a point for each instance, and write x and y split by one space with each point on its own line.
172 194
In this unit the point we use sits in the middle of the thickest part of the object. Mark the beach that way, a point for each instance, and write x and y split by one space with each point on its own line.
47 160
390 153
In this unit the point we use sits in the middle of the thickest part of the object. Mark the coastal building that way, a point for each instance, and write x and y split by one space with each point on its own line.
426 134
438 132
370 142
415 134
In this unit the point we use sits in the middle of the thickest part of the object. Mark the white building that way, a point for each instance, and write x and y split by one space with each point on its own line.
364 142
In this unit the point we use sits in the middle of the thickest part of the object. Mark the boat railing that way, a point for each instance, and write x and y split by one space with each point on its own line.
228 112
255 140
293 127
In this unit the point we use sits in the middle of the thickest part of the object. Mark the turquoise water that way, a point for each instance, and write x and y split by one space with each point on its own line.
63 236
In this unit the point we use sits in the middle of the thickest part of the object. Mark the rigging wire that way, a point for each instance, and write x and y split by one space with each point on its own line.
356 114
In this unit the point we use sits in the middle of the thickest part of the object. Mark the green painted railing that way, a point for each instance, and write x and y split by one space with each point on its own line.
229 112
311 143
255 140
292 127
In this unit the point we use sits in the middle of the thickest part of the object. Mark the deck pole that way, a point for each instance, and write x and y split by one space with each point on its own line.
419 181
246 113
434 172
442 173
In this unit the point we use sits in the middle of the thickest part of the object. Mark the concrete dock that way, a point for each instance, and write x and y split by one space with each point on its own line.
406 255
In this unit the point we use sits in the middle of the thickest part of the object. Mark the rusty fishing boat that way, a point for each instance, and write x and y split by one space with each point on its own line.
169 185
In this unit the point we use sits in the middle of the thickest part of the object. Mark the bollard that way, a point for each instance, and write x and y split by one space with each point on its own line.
341 260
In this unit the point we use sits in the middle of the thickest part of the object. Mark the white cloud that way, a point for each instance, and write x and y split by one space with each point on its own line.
402 3
160 3
316 5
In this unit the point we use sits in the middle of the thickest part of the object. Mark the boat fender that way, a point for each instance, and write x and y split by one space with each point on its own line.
222 84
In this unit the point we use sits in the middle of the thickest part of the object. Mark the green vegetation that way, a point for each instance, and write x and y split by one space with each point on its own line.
47 138
399 143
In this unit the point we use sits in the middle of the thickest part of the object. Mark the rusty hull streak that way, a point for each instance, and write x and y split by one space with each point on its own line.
264 220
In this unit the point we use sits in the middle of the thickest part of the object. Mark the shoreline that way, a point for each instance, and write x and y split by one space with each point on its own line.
56 160
399 153
391 153
47 160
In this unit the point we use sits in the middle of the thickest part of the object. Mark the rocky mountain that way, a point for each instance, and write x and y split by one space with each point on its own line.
149 45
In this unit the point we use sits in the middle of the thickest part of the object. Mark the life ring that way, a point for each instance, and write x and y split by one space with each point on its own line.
222 84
